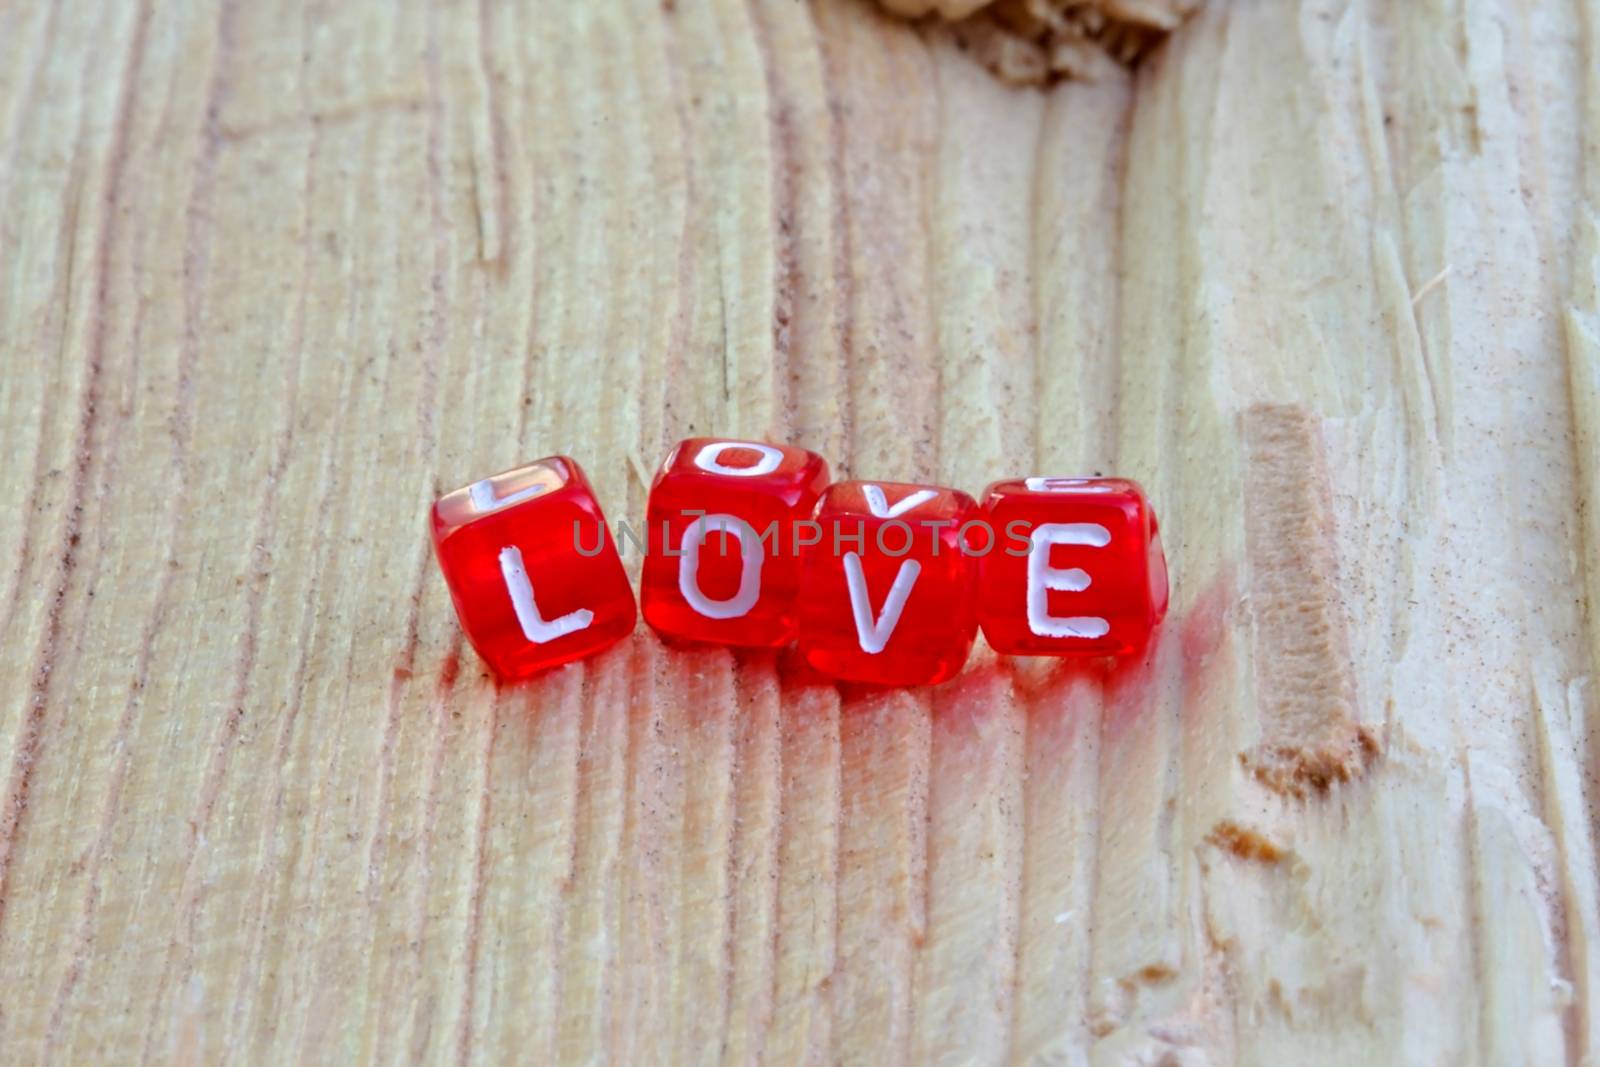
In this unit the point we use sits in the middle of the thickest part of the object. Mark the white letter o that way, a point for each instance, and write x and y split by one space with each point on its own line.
707 459
751 553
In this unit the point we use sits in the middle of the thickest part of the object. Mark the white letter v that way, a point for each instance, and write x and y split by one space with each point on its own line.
875 634
878 504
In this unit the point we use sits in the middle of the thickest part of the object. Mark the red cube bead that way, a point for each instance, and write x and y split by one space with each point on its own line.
1075 569
532 568
723 521
889 591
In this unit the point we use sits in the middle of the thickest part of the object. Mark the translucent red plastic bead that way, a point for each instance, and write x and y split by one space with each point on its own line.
1076 570
883 583
532 568
888 590
723 564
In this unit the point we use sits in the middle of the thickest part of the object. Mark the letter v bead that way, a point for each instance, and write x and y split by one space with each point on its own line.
843 632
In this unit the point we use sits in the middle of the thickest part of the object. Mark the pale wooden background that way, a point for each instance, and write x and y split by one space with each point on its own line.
1323 275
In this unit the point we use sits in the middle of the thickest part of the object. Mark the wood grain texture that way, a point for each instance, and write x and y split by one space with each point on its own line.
1324 276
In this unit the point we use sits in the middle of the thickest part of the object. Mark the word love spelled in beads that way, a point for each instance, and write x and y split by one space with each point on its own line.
746 543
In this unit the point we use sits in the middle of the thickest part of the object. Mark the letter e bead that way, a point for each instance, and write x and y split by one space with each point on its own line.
1080 572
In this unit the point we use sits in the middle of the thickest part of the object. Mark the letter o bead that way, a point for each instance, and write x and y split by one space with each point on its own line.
1076 568
532 568
725 523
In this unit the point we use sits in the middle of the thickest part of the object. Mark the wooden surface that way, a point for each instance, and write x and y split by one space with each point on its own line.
1322 275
